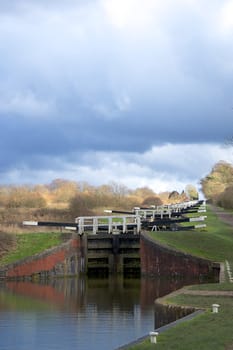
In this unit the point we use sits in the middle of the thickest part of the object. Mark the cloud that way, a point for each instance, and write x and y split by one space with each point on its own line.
225 21
24 104
163 168
126 79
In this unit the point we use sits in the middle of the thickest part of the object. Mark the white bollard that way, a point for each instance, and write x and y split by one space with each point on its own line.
215 308
153 336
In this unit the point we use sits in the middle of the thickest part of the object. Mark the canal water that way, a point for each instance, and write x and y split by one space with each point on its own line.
83 314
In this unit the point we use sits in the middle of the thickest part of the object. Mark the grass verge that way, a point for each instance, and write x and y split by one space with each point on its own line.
209 330
28 244
215 242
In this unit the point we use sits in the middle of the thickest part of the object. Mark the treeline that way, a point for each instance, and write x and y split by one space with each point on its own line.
218 185
81 198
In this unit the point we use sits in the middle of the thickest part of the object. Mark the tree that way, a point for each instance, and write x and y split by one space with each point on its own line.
24 197
191 192
62 190
4 194
225 199
215 183
174 196
152 200
164 196
81 205
118 189
143 192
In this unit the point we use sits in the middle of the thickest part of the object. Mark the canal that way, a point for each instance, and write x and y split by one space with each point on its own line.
83 314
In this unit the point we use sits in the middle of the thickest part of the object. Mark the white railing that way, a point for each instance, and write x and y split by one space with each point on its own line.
112 224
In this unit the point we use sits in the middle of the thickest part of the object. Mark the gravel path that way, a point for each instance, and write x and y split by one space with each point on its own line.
187 291
223 215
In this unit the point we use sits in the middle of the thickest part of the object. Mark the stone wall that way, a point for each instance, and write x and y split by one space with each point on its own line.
62 260
160 261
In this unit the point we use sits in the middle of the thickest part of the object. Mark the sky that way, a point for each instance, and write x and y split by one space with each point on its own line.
137 92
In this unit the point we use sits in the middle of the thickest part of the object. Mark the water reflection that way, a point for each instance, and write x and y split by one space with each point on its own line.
79 313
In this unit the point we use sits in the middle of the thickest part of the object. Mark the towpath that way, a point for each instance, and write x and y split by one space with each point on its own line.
223 215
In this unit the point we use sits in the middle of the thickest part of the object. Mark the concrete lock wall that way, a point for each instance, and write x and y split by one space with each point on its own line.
160 261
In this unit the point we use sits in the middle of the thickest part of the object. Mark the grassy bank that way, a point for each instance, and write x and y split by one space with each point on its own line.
207 331
28 244
215 242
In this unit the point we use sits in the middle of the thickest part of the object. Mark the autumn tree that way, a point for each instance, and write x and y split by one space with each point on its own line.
4 195
143 192
191 192
24 197
216 182
81 204
174 197
225 199
152 200
164 196
62 190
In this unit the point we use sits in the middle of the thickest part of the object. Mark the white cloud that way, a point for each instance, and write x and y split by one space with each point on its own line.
26 104
126 13
110 110
163 168
225 18
123 103
117 75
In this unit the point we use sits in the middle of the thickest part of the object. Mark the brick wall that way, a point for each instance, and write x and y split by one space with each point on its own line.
62 260
160 261
156 260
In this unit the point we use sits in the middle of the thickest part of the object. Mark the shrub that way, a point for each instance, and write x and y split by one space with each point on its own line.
152 200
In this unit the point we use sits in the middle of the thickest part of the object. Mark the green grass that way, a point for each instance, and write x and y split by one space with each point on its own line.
29 244
215 242
212 287
207 331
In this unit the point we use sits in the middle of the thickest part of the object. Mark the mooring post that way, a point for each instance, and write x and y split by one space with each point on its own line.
110 224
138 221
215 308
95 225
153 337
80 226
124 225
